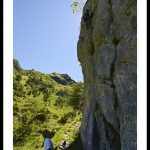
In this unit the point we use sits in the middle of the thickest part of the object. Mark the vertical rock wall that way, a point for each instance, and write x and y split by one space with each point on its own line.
107 50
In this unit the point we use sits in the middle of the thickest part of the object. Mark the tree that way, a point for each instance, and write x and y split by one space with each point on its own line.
16 65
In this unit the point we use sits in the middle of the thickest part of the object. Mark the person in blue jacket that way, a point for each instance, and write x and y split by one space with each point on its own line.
48 145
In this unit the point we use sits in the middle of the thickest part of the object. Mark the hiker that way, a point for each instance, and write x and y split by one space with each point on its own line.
87 18
48 145
63 145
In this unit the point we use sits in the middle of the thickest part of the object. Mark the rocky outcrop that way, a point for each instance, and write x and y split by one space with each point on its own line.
107 50
63 79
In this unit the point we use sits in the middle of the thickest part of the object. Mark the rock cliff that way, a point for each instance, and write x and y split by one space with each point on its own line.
107 50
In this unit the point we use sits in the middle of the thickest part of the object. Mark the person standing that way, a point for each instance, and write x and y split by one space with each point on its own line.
48 145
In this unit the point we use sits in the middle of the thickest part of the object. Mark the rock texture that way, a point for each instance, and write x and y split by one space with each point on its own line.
107 50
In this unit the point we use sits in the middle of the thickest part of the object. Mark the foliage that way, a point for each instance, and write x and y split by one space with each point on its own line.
77 6
16 65
17 88
76 96
39 102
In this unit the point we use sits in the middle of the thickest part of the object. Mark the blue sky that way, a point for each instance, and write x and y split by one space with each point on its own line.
45 34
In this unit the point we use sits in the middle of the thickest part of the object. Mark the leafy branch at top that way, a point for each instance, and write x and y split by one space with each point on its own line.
77 6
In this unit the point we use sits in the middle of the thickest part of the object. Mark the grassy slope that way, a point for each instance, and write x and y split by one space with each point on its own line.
42 103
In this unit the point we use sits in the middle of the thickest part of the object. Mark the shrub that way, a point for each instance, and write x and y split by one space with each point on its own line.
16 65
76 95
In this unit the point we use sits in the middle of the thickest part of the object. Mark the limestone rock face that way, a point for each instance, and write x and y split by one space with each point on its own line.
107 50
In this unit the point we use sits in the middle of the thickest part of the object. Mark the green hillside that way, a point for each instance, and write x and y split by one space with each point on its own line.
45 101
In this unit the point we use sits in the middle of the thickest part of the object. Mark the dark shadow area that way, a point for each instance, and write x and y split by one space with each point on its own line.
76 145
